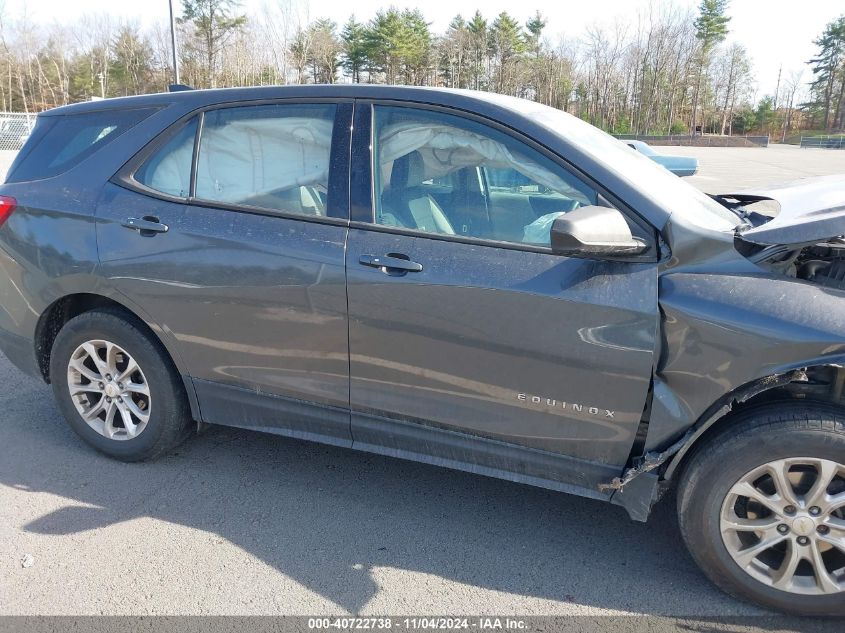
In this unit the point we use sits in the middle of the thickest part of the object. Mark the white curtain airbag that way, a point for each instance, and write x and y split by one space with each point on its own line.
445 149
254 156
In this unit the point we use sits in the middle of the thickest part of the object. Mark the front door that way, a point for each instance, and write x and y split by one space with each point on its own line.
241 258
461 318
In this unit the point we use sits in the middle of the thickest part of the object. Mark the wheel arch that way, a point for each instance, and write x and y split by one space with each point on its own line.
63 309
822 383
652 473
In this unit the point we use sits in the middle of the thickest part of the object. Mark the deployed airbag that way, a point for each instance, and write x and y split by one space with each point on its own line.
249 157
445 149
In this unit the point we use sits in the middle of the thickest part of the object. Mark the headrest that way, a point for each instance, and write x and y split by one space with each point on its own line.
408 171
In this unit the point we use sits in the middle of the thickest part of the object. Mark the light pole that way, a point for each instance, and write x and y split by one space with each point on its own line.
173 44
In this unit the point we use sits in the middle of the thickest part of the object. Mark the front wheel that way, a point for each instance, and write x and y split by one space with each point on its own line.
117 388
761 508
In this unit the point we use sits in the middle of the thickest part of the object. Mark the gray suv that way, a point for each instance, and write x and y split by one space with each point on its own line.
457 278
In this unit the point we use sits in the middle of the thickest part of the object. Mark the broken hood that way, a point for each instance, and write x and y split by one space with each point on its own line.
811 210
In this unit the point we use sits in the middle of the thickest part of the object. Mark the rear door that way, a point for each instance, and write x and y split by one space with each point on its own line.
230 233
461 318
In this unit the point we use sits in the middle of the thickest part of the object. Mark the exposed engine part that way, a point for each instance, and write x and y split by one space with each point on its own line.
823 264
830 273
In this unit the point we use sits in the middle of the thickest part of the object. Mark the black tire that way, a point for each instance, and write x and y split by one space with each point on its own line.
753 438
169 421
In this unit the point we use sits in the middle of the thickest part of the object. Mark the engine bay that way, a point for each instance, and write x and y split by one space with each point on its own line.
822 263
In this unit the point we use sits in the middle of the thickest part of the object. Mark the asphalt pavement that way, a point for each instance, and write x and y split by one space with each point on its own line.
730 169
237 522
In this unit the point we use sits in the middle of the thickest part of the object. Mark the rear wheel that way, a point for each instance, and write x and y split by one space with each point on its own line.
762 508
117 388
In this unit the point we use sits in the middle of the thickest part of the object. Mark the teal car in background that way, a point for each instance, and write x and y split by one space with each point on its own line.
678 165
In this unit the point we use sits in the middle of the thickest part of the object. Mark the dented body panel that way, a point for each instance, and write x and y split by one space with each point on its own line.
730 331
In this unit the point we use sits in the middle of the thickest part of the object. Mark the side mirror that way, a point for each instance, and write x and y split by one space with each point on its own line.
594 232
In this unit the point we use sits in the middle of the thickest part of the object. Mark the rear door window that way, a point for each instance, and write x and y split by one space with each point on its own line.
59 143
273 157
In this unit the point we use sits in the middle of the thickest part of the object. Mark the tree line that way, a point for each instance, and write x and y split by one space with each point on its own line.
669 71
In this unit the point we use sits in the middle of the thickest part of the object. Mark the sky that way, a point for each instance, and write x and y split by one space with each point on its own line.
776 33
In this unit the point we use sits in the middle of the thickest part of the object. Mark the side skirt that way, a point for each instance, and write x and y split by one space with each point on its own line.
479 455
243 408
248 409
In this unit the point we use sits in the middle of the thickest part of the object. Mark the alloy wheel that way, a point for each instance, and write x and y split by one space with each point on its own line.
783 523
109 390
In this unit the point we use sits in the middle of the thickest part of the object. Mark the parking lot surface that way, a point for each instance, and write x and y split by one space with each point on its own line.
236 522
729 169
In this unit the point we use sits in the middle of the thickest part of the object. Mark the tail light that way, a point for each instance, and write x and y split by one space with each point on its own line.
7 206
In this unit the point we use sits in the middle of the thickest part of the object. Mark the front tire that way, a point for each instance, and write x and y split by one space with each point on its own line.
117 388
761 508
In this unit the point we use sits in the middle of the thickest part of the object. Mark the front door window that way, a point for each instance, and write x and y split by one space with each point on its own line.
440 173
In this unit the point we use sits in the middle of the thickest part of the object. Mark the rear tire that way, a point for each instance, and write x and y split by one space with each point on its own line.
733 501
133 415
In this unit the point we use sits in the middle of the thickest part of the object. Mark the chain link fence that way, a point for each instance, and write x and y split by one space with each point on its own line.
706 140
14 129
825 142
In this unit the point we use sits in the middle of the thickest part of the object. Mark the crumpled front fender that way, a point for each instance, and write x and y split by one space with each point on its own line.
721 332
726 338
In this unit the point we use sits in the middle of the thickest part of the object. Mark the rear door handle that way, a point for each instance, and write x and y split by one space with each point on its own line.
145 226
389 262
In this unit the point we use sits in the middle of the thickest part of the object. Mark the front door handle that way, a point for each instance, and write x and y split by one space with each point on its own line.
390 262
146 226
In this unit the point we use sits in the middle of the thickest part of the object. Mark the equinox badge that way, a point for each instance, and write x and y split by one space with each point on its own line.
572 406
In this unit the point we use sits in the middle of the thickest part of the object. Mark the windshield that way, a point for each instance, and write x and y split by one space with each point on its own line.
665 188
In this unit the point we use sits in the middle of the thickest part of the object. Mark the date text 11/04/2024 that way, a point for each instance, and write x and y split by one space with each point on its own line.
486 623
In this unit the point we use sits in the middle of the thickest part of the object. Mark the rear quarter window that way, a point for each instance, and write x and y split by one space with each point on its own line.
60 142
168 170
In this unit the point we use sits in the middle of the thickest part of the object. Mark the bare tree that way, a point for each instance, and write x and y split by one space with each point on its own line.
645 76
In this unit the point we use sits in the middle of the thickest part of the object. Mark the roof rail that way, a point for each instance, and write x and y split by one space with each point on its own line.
178 88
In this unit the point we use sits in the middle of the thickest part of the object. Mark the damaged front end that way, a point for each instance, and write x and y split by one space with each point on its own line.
644 482
645 471
805 239
735 335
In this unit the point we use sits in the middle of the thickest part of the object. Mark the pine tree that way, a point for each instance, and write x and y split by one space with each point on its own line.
131 65
214 22
453 53
711 25
507 45
828 68
324 50
535 27
535 80
398 45
383 43
477 28
417 47
354 49
711 28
